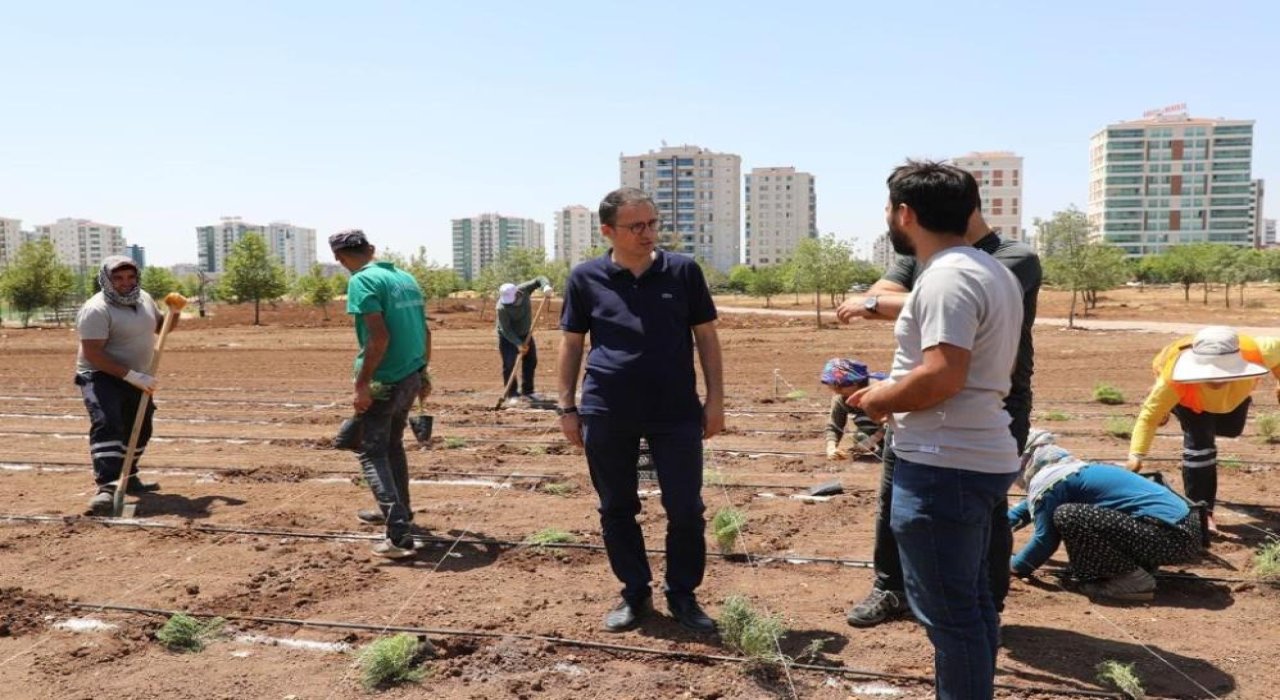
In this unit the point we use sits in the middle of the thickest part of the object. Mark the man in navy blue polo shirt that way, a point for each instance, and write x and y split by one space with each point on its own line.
645 310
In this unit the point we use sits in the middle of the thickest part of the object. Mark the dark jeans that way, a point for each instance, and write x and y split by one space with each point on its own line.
382 457
510 352
888 564
113 407
1200 448
612 447
942 521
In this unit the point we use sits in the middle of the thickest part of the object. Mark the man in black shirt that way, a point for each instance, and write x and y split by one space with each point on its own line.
883 302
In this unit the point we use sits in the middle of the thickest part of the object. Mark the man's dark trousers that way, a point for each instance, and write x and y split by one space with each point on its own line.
510 351
113 407
382 457
612 447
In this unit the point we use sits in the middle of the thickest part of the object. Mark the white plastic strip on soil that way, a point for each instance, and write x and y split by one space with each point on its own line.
303 644
83 624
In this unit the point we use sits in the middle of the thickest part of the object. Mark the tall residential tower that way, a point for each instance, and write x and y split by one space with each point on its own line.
781 212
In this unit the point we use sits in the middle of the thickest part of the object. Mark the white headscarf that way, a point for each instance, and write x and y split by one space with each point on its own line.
110 265
1044 465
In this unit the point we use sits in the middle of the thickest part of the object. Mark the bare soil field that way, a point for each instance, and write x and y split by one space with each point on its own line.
256 523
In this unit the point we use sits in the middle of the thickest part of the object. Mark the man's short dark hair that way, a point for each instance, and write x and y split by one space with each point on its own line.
620 198
942 196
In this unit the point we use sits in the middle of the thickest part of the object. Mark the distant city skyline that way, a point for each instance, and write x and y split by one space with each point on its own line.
386 118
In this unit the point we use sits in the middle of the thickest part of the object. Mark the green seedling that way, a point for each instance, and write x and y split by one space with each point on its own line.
393 660
1118 426
1055 416
1106 394
1122 677
1230 462
750 633
560 488
727 525
548 536
536 450
185 633
454 443
1269 427
1266 562
712 477
796 395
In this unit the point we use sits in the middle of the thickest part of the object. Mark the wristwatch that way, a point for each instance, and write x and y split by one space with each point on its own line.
566 411
871 303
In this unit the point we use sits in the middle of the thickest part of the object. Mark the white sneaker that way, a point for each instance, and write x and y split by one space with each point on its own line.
391 550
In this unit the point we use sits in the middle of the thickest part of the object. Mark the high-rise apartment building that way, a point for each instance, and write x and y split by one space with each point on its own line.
11 239
1258 195
699 198
999 176
294 247
882 255
82 244
1170 179
481 240
781 211
577 231
138 254
1269 233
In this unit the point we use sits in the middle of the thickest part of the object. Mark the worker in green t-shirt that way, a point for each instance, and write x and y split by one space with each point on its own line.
390 372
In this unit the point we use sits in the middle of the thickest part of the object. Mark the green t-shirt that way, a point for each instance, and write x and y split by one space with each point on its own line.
380 288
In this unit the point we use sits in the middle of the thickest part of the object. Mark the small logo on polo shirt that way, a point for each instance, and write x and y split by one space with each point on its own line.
668 295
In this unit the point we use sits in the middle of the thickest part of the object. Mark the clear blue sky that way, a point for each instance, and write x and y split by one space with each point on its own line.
398 116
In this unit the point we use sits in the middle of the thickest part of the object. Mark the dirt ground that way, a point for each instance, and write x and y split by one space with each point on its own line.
243 432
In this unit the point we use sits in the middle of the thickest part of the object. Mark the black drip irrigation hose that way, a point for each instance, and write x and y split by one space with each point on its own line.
493 542
568 642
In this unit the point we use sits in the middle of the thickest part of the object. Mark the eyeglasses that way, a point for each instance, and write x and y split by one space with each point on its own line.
639 227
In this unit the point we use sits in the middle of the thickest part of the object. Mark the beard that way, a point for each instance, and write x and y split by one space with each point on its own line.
898 239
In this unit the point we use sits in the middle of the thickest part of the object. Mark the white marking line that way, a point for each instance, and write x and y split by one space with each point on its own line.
84 624
303 644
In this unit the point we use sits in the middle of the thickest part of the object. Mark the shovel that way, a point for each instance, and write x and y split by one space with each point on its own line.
515 369
351 430
175 302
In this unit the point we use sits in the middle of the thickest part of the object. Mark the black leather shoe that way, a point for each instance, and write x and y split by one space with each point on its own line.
136 485
689 614
626 615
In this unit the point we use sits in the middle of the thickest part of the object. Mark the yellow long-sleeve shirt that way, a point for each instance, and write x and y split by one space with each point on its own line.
1223 399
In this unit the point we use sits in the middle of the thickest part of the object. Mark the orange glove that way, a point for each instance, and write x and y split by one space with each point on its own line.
175 301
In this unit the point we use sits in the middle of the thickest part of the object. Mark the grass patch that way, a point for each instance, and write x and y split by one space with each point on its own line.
536 450
1122 677
1269 427
560 488
453 443
185 633
750 633
712 477
1230 462
727 525
1055 416
550 535
1266 562
1118 426
796 395
392 660
1104 393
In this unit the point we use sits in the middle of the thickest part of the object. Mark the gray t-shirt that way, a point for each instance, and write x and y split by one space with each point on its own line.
964 298
130 332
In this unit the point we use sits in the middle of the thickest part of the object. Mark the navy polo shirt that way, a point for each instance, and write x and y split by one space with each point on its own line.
640 366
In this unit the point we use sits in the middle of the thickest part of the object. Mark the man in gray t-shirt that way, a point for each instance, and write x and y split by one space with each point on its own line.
117 329
957 341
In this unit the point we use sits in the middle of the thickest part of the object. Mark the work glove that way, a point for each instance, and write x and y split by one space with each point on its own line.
144 382
175 301
546 289
834 452
1134 464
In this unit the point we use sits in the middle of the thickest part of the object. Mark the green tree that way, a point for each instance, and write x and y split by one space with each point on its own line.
35 279
740 277
1105 268
1185 265
717 281
159 282
1064 241
252 275
820 265
315 288
767 281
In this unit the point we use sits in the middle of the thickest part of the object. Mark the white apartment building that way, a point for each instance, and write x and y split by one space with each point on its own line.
781 211
999 176
699 198
577 231
11 239
1269 233
1170 179
882 255
293 246
1258 195
82 244
480 240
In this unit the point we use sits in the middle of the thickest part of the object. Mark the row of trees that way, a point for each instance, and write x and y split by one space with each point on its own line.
1072 260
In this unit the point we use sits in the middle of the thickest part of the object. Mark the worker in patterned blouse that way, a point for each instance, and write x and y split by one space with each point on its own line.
844 376
1206 381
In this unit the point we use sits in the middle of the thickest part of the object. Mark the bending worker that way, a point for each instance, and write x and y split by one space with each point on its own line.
1117 526
515 336
1206 381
